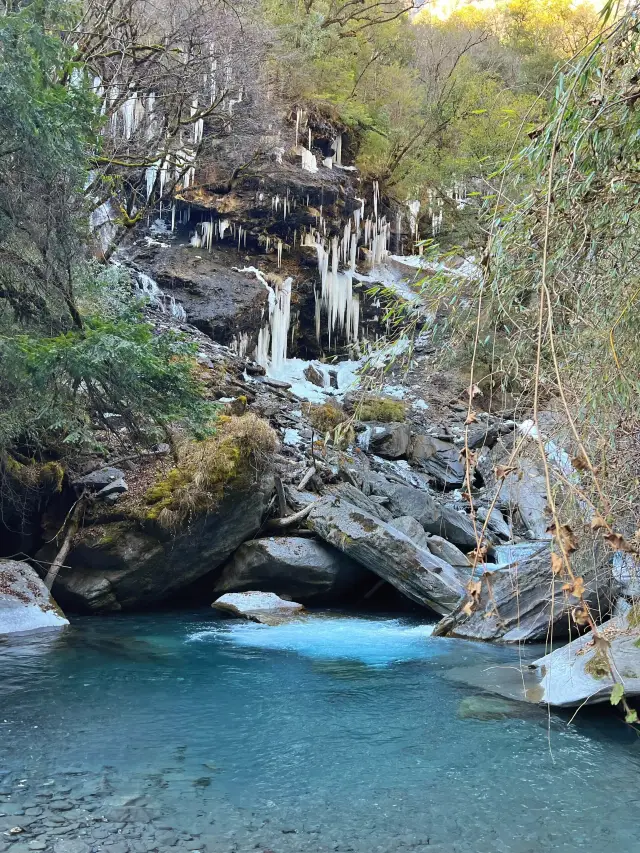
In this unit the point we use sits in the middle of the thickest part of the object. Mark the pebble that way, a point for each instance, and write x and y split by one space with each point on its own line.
61 805
70 845
36 844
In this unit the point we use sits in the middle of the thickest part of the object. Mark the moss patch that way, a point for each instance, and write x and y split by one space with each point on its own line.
237 451
598 666
381 409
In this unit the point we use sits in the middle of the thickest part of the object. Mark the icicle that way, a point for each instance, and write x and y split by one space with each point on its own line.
336 147
309 162
279 250
150 177
173 217
309 139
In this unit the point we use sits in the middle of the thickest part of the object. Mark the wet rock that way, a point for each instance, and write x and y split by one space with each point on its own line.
439 459
302 569
488 708
71 845
124 565
391 441
579 672
413 529
25 602
98 480
264 607
519 602
313 375
357 498
447 551
383 549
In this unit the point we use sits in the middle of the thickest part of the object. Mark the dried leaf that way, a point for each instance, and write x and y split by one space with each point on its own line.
575 587
580 615
471 418
557 564
474 391
617 542
580 462
468 608
503 471
617 693
474 588
597 523
478 555
565 537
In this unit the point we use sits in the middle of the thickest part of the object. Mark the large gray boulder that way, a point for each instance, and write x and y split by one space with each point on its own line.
524 491
523 602
306 570
383 549
357 498
440 459
127 564
580 672
440 520
391 441
25 602
447 551
573 675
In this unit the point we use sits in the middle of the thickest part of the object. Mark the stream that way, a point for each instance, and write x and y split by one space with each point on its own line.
183 731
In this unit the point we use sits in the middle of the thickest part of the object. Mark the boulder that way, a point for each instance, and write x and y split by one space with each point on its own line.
391 441
25 602
447 551
98 480
525 492
413 529
579 673
263 607
570 676
128 564
439 459
383 549
357 498
303 569
314 375
496 522
444 521
523 602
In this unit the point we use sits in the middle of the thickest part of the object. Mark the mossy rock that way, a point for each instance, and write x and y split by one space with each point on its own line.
382 410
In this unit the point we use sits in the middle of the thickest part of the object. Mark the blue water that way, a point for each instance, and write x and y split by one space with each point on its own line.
182 732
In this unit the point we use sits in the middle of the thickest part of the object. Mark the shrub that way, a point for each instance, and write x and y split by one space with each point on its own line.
381 409
236 453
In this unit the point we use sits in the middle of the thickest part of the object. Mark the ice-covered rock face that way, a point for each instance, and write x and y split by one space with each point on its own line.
25 602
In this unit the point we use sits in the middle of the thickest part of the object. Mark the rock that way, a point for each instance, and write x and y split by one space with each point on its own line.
357 498
303 569
525 490
313 375
71 845
444 521
115 488
389 553
496 521
439 459
579 672
264 607
413 529
278 384
125 565
25 602
486 434
516 603
98 480
447 551
488 708
254 369
391 441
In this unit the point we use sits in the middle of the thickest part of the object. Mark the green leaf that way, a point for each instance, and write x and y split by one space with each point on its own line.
631 717
617 693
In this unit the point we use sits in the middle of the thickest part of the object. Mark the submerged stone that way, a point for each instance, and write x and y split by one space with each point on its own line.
488 708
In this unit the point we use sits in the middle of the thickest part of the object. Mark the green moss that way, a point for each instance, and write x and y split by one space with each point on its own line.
52 475
381 409
326 417
598 666
633 616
